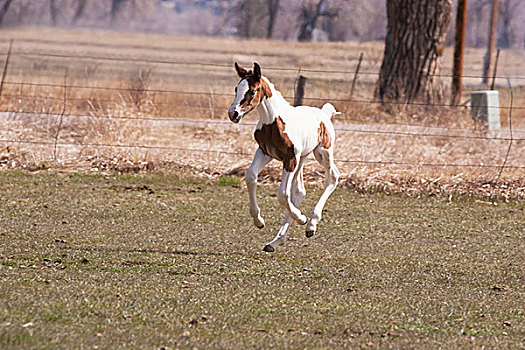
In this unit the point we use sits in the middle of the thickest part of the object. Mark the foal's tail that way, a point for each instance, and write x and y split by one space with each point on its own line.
329 109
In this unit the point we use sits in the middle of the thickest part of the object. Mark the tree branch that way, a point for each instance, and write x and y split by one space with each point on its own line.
3 9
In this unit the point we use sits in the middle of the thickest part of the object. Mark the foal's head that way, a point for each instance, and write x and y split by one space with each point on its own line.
250 91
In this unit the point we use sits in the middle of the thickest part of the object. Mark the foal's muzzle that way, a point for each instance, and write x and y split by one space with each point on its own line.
234 116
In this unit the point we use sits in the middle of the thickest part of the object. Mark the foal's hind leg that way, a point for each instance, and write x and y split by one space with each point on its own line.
325 157
284 194
298 192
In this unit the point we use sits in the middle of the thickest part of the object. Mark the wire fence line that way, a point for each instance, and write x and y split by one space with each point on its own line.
190 121
511 137
151 48
67 98
211 94
200 93
56 143
213 65
112 145
201 150
229 66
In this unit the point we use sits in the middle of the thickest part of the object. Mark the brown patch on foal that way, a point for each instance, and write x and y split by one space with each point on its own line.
262 90
265 88
275 143
259 85
324 136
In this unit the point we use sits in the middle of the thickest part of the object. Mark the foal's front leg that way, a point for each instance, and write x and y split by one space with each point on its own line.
259 162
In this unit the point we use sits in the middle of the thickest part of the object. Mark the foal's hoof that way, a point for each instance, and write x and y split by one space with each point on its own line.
302 220
258 222
311 228
269 249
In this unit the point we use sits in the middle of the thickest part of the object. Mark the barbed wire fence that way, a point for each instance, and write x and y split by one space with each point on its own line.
444 132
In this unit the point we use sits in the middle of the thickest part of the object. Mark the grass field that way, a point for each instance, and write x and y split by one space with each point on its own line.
173 262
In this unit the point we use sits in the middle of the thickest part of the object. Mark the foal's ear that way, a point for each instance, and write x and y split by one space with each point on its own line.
256 70
241 71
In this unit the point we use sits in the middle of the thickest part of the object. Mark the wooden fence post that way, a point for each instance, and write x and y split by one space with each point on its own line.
6 65
495 70
355 75
299 91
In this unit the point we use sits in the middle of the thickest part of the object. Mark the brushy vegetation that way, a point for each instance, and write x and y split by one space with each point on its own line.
91 261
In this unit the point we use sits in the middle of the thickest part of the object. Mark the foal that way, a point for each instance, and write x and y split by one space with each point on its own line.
288 134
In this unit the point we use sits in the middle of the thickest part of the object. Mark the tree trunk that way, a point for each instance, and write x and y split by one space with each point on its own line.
53 11
306 31
3 10
273 9
506 14
504 38
310 13
116 6
249 19
79 10
414 43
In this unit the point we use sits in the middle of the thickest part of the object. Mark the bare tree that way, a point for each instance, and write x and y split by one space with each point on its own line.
311 11
132 11
3 9
507 11
249 18
254 18
273 9
116 7
53 11
356 20
476 19
79 11
414 43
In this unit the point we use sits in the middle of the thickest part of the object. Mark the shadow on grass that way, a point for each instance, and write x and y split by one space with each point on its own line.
121 250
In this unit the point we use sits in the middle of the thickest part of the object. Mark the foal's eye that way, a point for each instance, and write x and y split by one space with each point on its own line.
253 92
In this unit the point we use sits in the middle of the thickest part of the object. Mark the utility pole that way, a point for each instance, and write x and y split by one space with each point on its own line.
487 61
457 71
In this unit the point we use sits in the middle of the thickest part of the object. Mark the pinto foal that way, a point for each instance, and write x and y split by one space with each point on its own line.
288 134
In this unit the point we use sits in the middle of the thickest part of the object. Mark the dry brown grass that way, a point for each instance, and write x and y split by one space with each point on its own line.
112 102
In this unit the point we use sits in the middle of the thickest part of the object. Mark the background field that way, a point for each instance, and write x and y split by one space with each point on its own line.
198 72
103 102
167 262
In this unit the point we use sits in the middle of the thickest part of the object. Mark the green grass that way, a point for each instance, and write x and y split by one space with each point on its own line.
228 181
159 261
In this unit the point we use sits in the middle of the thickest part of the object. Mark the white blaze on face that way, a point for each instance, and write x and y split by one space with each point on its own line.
242 89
